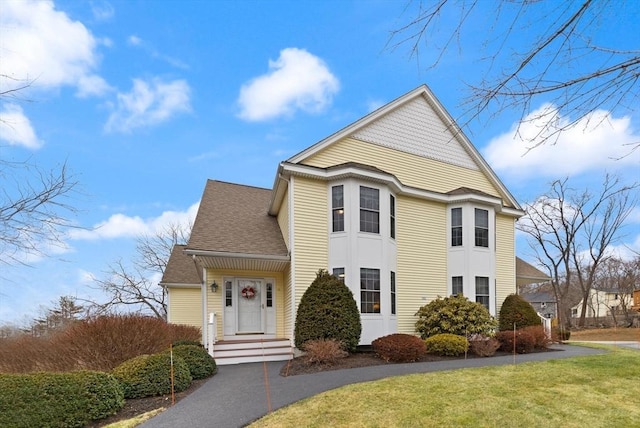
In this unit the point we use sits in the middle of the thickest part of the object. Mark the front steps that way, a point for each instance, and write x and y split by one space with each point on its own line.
251 351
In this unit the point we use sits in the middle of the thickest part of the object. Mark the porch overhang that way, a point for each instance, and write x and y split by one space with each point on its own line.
240 261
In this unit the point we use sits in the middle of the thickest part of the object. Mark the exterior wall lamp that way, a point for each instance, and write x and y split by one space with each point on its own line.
214 286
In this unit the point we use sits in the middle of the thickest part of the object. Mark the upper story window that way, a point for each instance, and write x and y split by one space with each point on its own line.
392 216
482 227
370 291
369 210
456 285
456 227
337 208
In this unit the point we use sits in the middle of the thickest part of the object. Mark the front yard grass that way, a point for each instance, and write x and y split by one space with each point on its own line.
607 334
595 391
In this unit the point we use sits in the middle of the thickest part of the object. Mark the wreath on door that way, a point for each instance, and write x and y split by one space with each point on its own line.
248 292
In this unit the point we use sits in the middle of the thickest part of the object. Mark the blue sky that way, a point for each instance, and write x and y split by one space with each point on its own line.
146 100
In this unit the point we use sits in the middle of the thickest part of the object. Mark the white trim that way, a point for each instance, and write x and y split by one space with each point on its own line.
177 285
292 264
208 253
394 185
205 315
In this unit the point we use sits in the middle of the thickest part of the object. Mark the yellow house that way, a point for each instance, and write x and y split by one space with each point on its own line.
399 204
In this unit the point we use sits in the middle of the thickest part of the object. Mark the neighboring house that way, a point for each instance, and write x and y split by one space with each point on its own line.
600 303
399 204
544 303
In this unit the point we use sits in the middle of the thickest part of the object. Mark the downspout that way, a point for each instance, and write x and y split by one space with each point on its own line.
292 255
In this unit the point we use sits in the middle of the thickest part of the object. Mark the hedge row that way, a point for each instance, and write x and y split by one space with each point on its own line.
57 399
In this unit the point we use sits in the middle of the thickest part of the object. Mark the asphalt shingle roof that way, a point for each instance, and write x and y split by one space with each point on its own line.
233 218
180 268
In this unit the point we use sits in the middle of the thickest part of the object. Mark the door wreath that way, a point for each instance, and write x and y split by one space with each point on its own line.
248 292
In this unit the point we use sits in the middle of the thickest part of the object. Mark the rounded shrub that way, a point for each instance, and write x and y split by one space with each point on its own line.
447 344
324 351
150 375
516 310
200 363
328 310
58 399
483 346
454 315
399 348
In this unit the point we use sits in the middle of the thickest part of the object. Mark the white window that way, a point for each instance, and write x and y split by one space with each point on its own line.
482 227
369 210
370 291
339 273
337 208
456 285
456 227
392 215
393 293
482 290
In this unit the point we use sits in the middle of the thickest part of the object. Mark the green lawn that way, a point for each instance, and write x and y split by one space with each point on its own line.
595 391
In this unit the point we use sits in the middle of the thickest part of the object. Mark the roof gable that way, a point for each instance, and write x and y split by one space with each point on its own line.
180 268
415 123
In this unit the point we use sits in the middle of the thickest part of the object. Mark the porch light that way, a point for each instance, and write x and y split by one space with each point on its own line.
214 286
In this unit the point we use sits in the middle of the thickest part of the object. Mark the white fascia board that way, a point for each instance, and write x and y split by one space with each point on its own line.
206 253
179 285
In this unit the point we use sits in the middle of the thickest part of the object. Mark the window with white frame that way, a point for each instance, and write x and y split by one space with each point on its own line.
393 293
369 291
269 295
456 227
369 210
339 273
481 227
392 216
482 290
337 208
228 293
456 285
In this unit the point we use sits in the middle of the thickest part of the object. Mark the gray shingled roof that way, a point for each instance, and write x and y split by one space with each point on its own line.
528 272
233 218
180 268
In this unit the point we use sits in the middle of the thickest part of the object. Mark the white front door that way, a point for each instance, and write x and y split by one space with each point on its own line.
250 297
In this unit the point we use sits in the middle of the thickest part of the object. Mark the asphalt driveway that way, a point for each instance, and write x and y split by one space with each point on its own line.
236 395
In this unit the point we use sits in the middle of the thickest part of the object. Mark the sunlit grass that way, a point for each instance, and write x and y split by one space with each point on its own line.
134 422
595 391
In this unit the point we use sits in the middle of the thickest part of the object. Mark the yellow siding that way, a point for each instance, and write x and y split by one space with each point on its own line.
505 258
185 306
283 218
215 300
422 257
310 232
287 313
411 170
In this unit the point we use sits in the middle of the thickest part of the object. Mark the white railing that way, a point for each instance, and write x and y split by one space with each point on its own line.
212 331
546 323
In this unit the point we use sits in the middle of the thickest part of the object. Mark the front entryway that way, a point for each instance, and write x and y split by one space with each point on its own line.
249 308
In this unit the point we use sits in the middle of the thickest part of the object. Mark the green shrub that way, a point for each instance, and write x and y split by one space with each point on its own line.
150 375
454 315
57 399
524 341
328 311
516 310
200 363
187 342
399 348
483 346
324 351
447 344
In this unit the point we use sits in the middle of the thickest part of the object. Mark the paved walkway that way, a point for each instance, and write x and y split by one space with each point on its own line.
236 395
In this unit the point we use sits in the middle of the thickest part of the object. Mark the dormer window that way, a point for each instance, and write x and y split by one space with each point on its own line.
369 210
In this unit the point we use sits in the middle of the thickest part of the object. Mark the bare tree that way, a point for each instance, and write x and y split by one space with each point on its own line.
532 51
134 286
34 210
572 231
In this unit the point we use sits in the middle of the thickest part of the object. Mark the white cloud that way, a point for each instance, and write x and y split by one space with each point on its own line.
16 129
123 226
149 103
596 142
42 44
297 80
102 10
